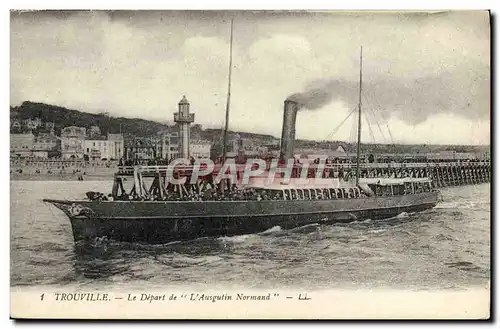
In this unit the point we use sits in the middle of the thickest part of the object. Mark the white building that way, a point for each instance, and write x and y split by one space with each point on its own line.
99 149
200 149
117 146
72 142
105 149
170 145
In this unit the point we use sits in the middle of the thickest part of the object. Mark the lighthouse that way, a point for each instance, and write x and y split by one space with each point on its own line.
184 119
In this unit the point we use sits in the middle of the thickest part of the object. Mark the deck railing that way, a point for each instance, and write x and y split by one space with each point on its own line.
152 169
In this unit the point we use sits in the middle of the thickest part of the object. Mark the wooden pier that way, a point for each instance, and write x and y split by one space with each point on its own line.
443 174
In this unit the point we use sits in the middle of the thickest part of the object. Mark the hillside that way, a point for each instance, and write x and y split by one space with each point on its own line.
63 117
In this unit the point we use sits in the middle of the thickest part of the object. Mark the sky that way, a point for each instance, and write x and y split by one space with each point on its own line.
426 76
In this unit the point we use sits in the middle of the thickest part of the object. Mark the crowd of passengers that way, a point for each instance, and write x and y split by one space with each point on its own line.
236 194
249 194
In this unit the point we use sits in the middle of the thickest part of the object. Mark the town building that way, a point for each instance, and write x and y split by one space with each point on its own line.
200 149
21 145
102 148
73 142
140 148
45 141
46 145
117 145
97 148
169 149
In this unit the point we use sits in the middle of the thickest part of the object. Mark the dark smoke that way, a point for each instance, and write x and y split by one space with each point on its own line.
413 100
322 92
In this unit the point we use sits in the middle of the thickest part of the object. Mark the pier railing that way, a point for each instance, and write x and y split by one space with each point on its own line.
442 174
151 169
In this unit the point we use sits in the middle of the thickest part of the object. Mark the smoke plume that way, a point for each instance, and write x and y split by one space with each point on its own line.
322 92
411 100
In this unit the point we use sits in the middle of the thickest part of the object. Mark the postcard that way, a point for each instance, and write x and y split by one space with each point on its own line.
273 164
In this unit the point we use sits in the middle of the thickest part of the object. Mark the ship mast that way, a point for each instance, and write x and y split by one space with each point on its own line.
224 147
359 114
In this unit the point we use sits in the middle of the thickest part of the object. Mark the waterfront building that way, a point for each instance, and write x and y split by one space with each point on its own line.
140 148
45 141
116 144
73 142
45 144
200 148
97 148
102 148
21 145
169 145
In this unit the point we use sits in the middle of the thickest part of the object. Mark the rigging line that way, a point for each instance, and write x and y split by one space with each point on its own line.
387 125
340 125
390 134
382 131
373 112
370 128
378 125
369 107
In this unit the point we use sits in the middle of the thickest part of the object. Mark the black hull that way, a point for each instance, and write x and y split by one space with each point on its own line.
147 224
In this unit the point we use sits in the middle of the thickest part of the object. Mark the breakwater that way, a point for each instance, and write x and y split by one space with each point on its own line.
443 174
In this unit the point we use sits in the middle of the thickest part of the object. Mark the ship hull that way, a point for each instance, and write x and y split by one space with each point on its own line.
163 222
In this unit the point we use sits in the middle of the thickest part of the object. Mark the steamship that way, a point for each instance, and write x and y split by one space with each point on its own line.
146 214
150 217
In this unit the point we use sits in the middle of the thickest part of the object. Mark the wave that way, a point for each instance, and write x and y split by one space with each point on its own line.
402 215
446 237
236 238
272 230
410 233
462 204
377 231
48 247
306 228
178 260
